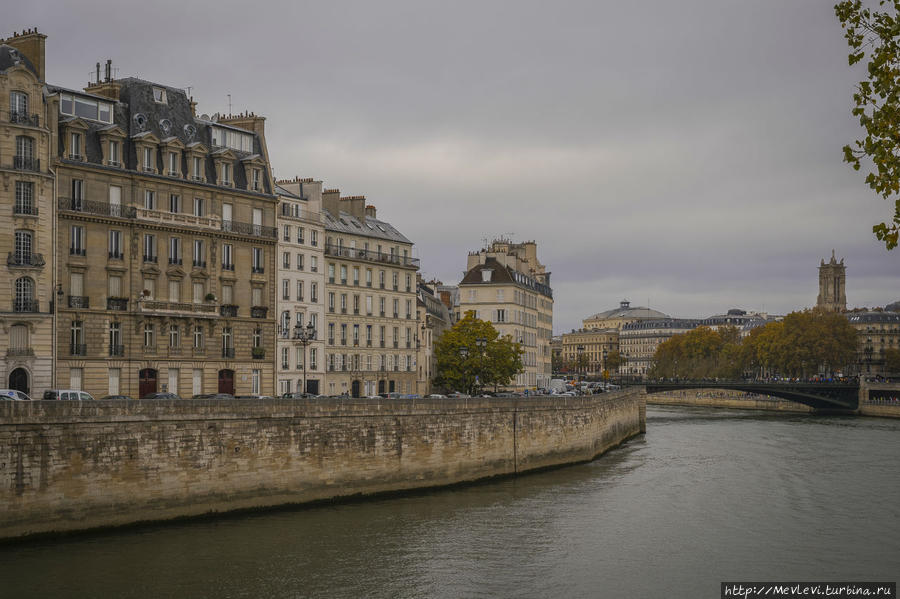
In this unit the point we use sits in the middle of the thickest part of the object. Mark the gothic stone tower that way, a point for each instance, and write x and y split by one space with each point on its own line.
832 286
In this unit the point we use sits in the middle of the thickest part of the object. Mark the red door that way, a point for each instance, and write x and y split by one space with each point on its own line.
147 382
226 381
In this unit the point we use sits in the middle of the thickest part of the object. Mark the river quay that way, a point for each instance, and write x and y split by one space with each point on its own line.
70 466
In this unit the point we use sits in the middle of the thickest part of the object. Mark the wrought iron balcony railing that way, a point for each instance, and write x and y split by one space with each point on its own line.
23 209
117 350
25 305
233 226
15 352
25 260
228 352
22 118
78 349
228 310
79 301
258 311
117 303
26 163
95 207
370 255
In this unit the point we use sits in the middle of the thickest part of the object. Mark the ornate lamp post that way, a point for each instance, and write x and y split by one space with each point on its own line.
481 344
304 336
464 354
868 351
580 369
605 369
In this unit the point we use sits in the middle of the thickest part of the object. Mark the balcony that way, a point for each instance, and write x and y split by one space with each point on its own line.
20 209
26 163
228 352
19 352
258 353
79 301
258 311
21 118
233 226
228 311
21 260
258 269
228 267
25 305
199 263
116 255
370 256
77 251
177 218
178 308
175 261
95 207
150 258
116 350
78 349
117 303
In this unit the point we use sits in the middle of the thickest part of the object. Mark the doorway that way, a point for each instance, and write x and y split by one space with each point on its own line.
18 380
147 382
226 381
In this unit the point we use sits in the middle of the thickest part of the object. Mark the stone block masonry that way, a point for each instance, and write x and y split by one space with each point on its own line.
68 466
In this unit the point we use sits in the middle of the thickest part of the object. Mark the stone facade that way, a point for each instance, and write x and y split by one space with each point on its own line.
301 287
370 301
876 332
506 285
27 195
73 465
595 345
433 319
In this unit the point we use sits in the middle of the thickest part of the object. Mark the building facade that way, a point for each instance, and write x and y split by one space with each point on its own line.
506 284
166 244
370 301
639 339
300 344
832 286
586 351
877 331
27 227
433 318
616 318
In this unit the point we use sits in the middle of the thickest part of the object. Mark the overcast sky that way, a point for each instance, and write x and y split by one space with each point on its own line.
682 154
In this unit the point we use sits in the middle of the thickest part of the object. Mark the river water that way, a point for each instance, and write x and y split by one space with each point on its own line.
705 496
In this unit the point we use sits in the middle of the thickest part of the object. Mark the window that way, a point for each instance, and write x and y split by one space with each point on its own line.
331 273
356 334
381 306
173 380
197 381
313 264
314 237
356 303
148 160
173 164
343 334
343 303
285 260
149 200
149 248
75 377
115 339
24 245
396 306
257 337
368 277
226 173
175 250
255 183
381 279
286 232
149 288
285 357
299 261
149 335
25 198
199 254
115 244
76 237
227 263
75 146
254 381
299 234
258 258
25 301
175 290
174 203
115 286
312 358
231 139
394 281
369 335
330 333
499 295
114 375
356 275
343 274
198 337
198 168
256 297
199 208
198 292
77 194
113 158
314 293
115 200
18 105
368 305
299 291
285 289
159 95
331 301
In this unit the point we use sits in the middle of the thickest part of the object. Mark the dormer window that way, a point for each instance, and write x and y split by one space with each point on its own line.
86 108
148 160
255 182
226 173
114 153
197 169
75 146
173 164
159 95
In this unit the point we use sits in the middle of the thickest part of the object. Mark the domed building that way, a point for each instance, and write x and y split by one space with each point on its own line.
619 317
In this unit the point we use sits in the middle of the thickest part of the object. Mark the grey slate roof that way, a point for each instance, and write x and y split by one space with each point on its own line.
370 227
873 317
279 190
10 57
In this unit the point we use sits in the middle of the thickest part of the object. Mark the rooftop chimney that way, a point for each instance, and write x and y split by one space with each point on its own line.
30 44
370 211
106 87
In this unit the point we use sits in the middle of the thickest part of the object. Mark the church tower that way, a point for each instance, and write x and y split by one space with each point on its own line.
832 286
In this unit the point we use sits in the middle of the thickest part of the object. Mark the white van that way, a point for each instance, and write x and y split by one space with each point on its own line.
13 395
67 394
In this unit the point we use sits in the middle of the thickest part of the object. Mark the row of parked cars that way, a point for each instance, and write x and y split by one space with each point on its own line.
76 395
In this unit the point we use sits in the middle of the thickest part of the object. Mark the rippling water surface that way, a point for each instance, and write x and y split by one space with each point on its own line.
705 496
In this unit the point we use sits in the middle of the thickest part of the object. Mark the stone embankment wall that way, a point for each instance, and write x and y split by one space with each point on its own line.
880 399
77 465
725 399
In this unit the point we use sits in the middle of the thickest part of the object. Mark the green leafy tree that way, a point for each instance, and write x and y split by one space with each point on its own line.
892 361
613 361
493 366
875 35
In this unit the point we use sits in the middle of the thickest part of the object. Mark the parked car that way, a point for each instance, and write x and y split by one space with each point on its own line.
299 396
437 396
117 397
13 395
214 396
251 397
160 396
67 394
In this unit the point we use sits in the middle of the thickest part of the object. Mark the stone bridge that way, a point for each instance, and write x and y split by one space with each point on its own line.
823 397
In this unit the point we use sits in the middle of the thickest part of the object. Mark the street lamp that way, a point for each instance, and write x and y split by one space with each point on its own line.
580 350
481 344
868 351
605 369
304 336
464 354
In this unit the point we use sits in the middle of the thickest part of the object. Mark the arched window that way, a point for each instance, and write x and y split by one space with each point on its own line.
18 105
24 301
